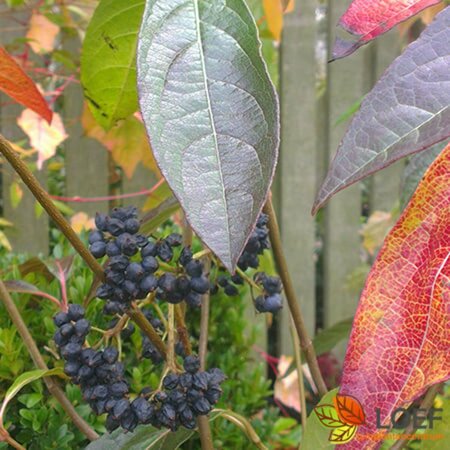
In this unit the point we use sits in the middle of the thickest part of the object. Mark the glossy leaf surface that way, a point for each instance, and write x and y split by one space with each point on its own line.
211 114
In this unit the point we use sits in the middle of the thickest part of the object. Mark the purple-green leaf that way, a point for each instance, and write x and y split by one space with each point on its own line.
407 111
211 114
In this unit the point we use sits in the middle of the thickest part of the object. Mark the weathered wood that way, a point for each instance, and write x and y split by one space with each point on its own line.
297 164
341 240
30 233
143 178
86 160
386 184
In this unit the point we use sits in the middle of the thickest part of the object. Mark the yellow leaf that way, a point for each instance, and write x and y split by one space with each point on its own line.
42 34
273 10
81 221
44 138
343 434
127 142
376 229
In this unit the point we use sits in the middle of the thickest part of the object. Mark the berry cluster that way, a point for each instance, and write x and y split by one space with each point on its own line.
101 378
189 285
187 395
271 300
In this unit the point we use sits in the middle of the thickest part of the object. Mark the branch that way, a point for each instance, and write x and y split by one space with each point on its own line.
182 330
280 260
204 428
39 362
43 198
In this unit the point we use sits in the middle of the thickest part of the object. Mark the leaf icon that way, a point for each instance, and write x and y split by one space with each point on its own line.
328 416
349 410
343 434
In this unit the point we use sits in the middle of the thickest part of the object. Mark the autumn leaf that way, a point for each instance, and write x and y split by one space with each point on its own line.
273 12
42 33
328 416
15 194
20 87
81 221
400 340
349 410
43 137
127 142
375 230
343 434
367 19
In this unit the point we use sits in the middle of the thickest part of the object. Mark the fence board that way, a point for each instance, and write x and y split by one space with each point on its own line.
86 160
297 164
341 240
30 233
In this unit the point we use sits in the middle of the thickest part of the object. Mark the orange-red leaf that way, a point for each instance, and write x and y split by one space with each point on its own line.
400 342
19 86
349 410
367 19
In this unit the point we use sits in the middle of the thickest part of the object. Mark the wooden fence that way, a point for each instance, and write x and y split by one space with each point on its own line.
322 252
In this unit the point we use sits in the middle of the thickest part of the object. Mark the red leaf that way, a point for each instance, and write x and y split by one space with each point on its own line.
19 86
400 340
367 19
349 410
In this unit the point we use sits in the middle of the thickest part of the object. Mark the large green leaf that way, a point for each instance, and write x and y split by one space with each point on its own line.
108 62
328 338
211 113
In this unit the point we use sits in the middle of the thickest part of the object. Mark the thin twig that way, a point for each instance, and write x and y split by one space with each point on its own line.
298 364
5 436
204 427
171 338
39 362
426 404
43 198
280 260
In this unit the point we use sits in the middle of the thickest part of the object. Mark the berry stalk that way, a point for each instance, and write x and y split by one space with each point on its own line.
294 306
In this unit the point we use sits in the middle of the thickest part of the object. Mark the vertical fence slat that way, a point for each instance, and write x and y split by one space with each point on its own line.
86 160
386 184
341 240
30 233
297 164
143 178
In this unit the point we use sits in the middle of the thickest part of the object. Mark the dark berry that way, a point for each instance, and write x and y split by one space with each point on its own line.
104 291
71 351
174 239
95 236
100 392
132 226
272 285
112 249
202 406
118 389
100 221
129 247
149 250
170 381
60 319
168 282
194 268
200 381
111 423
200 285
185 256
185 380
110 355
98 249
143 409
114 226
194 299
237 279
150 264
82 327
67 330
148 284
231 290
191 363
134 271
118 263
121 408
164 251
71 368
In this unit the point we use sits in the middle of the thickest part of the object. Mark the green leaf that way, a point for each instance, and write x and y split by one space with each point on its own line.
23 380
211 113
283 424
108 62
328 338
145 437
316 435
440 428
